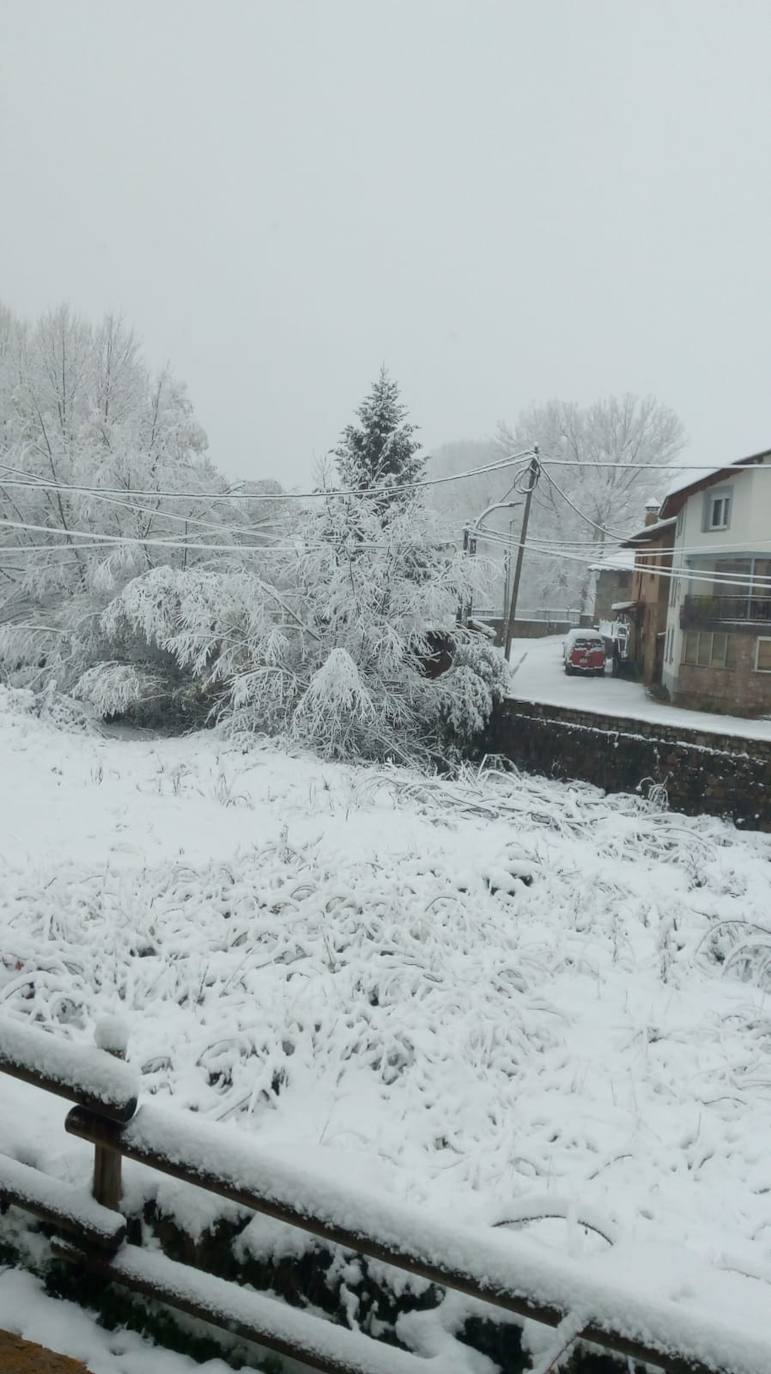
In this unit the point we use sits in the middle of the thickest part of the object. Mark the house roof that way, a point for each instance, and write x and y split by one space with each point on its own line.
697 478
618 560
649 532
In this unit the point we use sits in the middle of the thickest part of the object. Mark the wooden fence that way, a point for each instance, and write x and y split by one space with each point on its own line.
490 1265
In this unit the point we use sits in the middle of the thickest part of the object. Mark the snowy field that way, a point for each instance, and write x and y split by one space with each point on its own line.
540 676
471 994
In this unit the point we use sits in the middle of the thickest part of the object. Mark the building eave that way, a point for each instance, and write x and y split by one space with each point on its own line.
649 533
676 497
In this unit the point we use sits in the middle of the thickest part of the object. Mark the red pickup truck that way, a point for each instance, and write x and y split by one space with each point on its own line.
584 652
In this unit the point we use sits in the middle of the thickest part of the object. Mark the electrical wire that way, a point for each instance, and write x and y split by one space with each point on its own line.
106 540
41 484
685 575
118 539
707 470
618 534
500 464
641 551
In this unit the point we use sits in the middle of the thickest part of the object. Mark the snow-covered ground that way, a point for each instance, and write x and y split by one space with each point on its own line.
26 1310
468 994
540 676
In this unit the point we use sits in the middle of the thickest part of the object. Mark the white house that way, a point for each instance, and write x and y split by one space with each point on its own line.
717 648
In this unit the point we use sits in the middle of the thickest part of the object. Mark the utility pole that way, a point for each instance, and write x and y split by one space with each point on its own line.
469 551
470 533
535 472
507 563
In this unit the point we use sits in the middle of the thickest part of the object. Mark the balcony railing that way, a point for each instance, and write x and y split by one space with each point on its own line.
724 609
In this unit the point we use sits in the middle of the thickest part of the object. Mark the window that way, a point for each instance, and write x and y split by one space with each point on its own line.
705 649
717 509
668 644
763 656
680 522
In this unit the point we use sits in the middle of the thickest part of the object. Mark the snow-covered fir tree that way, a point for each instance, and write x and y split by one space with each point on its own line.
381 450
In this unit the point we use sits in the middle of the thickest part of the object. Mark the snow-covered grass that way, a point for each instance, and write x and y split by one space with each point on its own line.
467 993
540 676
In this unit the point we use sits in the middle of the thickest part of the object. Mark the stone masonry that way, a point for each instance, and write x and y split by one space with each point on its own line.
703 773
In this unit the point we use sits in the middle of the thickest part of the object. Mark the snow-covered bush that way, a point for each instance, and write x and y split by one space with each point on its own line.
340 634
104 475
465 694
335 641
113 688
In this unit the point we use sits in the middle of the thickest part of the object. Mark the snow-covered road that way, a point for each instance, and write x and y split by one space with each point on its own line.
540 676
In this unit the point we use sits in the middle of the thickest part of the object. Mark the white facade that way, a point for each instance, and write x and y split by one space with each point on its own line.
727 520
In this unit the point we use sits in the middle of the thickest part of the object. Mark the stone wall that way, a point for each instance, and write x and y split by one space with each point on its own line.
704 773
528 629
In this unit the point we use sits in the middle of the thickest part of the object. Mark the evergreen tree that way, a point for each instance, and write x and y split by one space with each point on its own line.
382 449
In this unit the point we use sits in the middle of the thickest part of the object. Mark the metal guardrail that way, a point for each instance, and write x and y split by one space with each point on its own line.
496 1267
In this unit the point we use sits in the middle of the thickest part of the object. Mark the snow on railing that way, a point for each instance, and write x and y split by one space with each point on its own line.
83 1073
504 1269
60 1204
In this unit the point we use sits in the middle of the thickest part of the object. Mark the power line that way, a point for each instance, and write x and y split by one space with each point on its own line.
15 549
393 489
618 534
706 469
104 541
644 553
685 575
101 540
42 485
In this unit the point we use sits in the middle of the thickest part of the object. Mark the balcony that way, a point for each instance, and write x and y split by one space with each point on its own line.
698 612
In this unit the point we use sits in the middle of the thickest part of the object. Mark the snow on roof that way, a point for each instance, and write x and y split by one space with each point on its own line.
654 528
618 560
692 476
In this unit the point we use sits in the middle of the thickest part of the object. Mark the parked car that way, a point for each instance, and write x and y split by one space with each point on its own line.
584 652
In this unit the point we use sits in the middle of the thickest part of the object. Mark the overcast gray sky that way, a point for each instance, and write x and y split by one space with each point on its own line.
505 200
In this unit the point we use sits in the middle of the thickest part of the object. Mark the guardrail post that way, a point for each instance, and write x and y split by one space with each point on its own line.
110 1035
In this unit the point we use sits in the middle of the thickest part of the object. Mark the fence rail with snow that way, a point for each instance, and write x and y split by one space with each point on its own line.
497 1267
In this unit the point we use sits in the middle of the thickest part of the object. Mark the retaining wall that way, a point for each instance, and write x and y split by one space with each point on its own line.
527 629
704 773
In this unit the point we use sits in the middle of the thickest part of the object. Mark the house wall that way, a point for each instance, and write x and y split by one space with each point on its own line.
650 591
750 514
750 523
740 690
612 585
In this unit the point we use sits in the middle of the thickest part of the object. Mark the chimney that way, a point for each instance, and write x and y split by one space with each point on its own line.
652 508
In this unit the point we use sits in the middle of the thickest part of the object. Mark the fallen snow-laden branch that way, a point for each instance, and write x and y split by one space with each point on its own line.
548 1207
